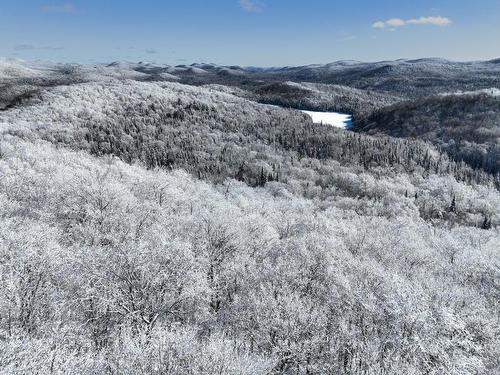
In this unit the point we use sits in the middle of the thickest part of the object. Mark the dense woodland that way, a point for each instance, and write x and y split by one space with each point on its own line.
404 78
465 126
162 228
322 97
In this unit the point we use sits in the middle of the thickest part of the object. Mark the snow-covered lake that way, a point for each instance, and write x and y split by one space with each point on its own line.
339 120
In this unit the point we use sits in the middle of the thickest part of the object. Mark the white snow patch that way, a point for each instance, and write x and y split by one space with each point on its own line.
168 76
15 69
339 120
491 91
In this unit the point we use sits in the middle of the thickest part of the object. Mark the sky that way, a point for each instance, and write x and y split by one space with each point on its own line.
248 32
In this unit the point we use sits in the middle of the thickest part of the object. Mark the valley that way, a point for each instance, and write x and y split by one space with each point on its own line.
203 219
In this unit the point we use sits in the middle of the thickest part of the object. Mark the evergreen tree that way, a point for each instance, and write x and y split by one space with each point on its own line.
453 205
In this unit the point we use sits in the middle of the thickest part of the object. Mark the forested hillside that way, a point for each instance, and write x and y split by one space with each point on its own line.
466 126
216 136
314 86
155 227
322 97
405 78
110 268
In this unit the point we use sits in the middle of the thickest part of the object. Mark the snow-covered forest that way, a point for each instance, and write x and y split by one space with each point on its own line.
157 227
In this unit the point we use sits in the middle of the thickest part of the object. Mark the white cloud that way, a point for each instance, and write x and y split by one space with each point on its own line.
398 22
437 21
395 22
59 8
252 6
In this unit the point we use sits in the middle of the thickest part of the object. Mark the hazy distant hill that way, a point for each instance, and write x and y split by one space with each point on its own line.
409 78
379 80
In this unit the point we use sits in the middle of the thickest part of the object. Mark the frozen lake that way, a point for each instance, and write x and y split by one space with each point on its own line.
339 120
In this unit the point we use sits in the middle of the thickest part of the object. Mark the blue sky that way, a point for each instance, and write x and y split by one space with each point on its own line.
248 32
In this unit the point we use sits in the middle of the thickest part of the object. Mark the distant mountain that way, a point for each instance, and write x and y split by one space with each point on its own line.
411 78
408 78
401 78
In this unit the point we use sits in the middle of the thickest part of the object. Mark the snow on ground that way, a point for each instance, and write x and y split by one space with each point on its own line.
492 92
338 120
15 69
168 76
